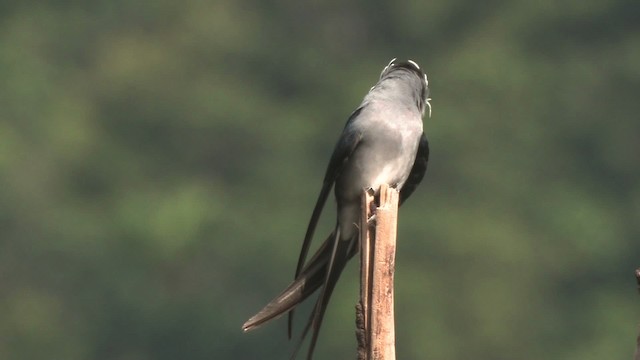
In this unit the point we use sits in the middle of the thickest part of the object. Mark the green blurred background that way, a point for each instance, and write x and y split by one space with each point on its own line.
159 161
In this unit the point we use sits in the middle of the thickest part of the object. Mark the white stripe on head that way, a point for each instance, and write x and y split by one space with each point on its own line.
387 67
414 64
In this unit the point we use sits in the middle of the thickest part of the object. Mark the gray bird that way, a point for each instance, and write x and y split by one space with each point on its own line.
382 143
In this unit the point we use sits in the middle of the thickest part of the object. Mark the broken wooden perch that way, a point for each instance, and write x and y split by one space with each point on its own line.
375 328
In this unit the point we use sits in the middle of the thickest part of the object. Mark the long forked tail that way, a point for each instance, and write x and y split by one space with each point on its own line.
322 271
341 252
310 279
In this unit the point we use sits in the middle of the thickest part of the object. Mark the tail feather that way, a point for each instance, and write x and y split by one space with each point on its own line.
340 256
308 281
322 271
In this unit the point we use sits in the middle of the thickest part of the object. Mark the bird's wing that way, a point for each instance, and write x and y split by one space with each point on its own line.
417 171
343 150
347 143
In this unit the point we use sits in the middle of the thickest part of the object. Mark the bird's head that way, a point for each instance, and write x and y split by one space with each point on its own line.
415 80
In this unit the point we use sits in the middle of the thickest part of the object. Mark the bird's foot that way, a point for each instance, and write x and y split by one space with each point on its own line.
372 210
372 207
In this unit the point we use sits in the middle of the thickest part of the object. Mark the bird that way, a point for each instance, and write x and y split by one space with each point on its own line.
382 142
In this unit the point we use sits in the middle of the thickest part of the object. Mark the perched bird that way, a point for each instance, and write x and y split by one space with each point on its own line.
382 143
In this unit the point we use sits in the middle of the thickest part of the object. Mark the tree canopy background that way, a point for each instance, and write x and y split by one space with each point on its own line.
159 161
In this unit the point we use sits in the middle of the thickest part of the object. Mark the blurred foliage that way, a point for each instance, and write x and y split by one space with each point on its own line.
159 161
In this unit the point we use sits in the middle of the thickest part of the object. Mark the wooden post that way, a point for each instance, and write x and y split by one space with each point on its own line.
375 317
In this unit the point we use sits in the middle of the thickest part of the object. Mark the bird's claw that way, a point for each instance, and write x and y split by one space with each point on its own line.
372 207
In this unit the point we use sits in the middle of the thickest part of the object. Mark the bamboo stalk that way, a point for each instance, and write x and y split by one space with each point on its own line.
375 316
